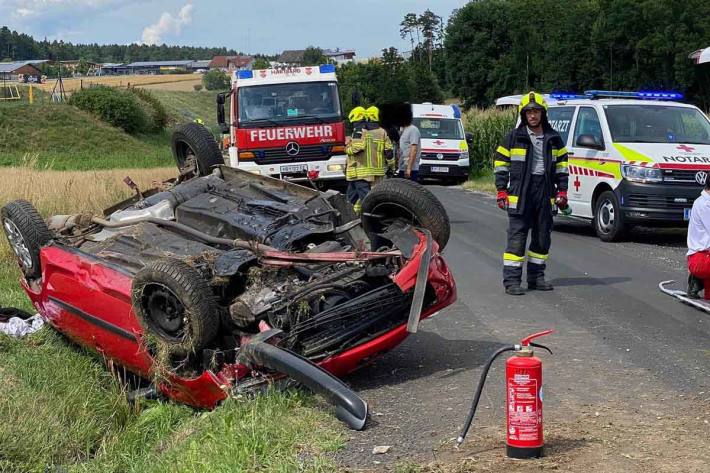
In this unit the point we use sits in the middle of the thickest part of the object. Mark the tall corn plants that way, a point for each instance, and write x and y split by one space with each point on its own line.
489 127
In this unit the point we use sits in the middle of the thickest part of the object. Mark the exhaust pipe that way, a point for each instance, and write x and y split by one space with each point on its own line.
258 351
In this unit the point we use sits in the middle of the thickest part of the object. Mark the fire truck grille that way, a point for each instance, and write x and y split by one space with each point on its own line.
679 176
305 153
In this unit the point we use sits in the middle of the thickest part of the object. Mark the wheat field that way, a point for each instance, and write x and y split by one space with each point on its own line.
71 85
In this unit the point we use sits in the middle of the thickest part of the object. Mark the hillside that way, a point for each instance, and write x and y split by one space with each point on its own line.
187 106
59 136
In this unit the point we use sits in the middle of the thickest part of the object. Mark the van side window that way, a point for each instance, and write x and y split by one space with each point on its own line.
560 119
588 124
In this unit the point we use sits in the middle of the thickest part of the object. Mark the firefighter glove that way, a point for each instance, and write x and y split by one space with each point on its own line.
503 201
561 200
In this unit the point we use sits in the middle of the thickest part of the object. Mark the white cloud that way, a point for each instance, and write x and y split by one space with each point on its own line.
167 24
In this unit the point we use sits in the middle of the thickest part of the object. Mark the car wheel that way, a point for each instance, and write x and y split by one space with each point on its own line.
26 232
608 219
175 303
195 150
404 199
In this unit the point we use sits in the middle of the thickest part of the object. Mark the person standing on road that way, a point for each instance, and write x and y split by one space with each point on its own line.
699 245
410 150
531 177
369 154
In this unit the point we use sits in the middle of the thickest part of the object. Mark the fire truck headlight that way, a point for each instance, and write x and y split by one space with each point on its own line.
335 167
641 174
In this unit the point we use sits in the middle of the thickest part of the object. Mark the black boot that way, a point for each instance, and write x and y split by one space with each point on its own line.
514 290
695 285
539 284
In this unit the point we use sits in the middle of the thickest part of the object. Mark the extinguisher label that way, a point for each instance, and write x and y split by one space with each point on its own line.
523 407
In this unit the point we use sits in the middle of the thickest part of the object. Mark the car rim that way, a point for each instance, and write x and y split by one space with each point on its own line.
164 312
18 245
607 216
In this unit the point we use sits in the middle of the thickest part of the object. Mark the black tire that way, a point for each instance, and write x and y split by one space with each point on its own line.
175 303
402 198
608 221
192 142
27 233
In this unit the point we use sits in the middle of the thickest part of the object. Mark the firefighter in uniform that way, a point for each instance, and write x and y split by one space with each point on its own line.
531 178
369 154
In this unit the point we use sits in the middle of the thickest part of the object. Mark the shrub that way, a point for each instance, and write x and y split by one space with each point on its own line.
489 127
197 87
116 107
157 115
215 80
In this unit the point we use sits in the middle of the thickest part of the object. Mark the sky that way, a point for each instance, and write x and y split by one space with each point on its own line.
255 26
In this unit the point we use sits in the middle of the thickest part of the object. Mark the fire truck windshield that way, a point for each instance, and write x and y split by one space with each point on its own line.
300 102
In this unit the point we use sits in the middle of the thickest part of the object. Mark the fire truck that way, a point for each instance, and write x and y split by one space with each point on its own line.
285 123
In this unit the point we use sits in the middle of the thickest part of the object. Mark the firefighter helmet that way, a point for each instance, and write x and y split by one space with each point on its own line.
532 100
372 114
357 114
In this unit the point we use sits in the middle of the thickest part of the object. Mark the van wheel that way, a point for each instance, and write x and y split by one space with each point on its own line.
609 222
407 200
27 233
195 150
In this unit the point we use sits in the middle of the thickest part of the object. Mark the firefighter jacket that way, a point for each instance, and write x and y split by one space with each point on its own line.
513 165
367 156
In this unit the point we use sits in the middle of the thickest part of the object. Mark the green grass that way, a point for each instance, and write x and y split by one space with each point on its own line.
483 183
59 136
187 106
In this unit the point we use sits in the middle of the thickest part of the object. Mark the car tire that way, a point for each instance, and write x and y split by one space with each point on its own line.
402 198
608 221
192 141
27 233
174 302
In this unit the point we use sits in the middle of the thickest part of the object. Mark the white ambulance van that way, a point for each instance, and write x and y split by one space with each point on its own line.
444 142
635 158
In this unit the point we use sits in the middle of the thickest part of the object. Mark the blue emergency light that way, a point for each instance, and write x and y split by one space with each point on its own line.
566 96
326 68
457 111
596 94
245 75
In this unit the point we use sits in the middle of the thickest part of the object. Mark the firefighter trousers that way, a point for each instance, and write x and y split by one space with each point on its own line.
536 219
356 192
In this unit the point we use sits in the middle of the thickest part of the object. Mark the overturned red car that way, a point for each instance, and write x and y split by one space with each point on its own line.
220 283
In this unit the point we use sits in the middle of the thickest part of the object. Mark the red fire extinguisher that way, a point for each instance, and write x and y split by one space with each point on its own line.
523 377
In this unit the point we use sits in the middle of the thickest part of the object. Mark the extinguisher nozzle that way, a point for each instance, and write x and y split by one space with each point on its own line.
459 441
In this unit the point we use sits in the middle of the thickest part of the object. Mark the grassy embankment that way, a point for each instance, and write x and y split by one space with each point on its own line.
61 405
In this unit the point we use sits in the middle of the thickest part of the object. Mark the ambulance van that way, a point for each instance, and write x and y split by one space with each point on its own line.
444 142
635 158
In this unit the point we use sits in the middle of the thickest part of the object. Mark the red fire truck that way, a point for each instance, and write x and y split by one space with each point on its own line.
286 123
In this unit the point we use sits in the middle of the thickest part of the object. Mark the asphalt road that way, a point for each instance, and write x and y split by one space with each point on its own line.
621 345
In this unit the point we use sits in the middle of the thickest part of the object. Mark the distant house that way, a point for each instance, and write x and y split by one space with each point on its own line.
112 69
231 63
292 57
339 56
15 70
157 67
202 64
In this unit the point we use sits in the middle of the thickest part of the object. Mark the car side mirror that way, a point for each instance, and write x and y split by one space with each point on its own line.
224 128
589 141
469 138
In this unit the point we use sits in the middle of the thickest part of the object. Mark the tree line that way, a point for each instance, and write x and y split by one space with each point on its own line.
500 47
16 46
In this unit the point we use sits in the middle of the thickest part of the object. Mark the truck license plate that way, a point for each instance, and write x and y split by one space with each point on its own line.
686 214
439 169
291 168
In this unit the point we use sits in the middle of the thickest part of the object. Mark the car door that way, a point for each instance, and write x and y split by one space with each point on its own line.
588 153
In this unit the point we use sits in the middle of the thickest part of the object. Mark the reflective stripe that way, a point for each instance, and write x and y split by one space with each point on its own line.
513 199
563 164
559 152
536 260
518 154
532 254
510 259
501 169
562 168
501 163
503 151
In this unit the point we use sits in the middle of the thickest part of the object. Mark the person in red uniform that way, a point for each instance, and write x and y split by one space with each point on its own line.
699 245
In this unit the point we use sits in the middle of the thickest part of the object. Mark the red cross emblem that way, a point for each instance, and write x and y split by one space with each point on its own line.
438 142
686 148
577 184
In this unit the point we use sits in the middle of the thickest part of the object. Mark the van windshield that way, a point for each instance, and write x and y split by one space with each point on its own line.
657 124
439 128
283 104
